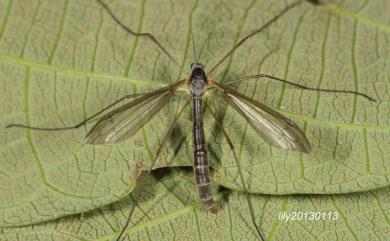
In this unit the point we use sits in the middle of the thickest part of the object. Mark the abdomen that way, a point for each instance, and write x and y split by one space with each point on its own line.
201 164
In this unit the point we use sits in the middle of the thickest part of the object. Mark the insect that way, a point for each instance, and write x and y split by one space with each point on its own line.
121 123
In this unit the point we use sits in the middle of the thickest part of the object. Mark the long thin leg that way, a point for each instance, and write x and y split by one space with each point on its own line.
148 35
127 223
77 125
167 135
250 204
257 76
254 33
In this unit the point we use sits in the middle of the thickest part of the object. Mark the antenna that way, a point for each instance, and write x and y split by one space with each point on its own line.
204 45
194 48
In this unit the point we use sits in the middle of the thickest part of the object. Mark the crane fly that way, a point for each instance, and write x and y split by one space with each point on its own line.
124 121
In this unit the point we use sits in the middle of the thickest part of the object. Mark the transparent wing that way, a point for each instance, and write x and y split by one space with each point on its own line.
121 123
269 124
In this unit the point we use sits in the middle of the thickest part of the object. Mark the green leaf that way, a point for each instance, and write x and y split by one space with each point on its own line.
62 61
164 209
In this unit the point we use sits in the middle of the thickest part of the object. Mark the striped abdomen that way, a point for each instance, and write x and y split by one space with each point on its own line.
201 165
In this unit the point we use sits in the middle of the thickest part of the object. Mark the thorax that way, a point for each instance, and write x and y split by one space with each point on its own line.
197 82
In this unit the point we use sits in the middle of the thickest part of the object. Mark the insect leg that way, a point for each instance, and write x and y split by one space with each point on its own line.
258 76
77 125
148 35
250 204
254 33
154 161
127 223
167 135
